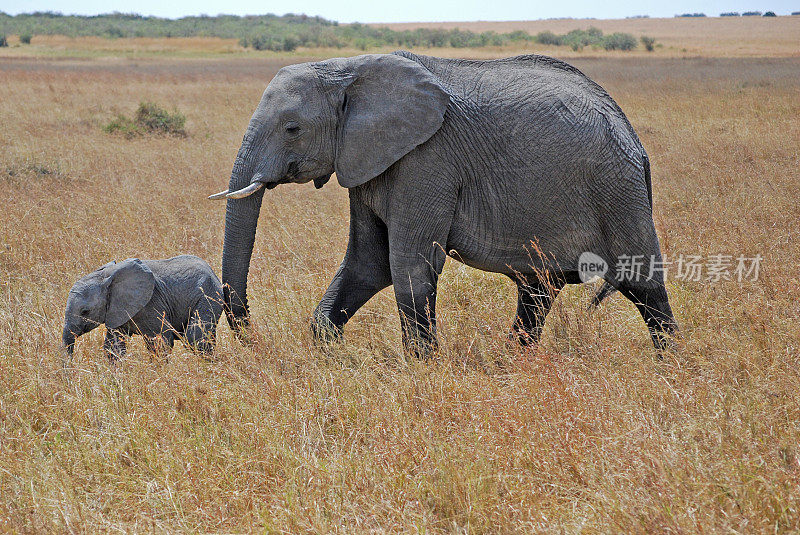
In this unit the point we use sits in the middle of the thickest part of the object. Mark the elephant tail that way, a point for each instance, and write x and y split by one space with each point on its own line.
604 291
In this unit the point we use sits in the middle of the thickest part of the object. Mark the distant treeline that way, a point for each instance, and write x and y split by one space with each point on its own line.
736 14
287 32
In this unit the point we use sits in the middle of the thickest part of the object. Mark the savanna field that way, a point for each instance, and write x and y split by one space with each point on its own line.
587 433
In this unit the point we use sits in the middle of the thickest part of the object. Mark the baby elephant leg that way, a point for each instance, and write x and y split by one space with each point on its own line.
159 343
114 344
201 332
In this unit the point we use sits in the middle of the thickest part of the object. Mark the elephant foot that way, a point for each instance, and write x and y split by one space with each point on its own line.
523 338
424 350
419 342
324 330
159 346
241 328
113 357
665 342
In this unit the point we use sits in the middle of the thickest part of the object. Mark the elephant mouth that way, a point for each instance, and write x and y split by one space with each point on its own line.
257 184
273 185
321 181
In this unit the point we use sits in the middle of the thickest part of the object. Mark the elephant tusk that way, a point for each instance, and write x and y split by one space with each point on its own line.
220 195
245 192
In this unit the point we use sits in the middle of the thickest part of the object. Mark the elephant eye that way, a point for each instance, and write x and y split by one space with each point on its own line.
85 312
292 128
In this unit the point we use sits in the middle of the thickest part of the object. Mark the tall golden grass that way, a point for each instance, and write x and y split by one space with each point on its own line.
588 433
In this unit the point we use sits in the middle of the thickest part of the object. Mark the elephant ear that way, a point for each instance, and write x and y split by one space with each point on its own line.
130 287
390 104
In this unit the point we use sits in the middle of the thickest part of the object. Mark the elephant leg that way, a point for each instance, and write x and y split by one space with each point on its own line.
363 273
201 332
415 280
534 299
159 343
653 304
114 344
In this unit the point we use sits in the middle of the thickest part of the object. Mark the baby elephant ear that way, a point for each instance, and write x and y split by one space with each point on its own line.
390 105
130 288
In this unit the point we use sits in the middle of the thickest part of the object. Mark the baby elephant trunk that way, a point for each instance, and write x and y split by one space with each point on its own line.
68 339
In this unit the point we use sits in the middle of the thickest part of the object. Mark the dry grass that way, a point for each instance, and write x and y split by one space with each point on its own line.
589 433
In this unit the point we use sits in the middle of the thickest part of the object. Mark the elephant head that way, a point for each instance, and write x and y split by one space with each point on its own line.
112 294
352 116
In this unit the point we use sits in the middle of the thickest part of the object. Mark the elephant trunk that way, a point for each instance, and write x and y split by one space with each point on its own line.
241 219
68 339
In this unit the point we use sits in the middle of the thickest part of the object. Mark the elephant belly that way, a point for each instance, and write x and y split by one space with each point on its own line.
529 230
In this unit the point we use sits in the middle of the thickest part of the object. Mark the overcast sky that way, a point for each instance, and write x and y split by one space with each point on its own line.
406 10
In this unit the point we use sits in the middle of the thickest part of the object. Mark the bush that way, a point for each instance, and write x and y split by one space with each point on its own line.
751 14
155 119
648 42
123 125
150 118
577 39
3 40
25 38
289 43
770 14
268 42
114 33
619 41
549 38
729 14
262 42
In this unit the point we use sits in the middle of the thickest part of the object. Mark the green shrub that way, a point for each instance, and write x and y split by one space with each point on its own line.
549 38
155 119
259 42
25 38
3 40
648 42
361 43
577 39
619 41
289 43
267 42
114 33
123 125
149 119
519 35
770 14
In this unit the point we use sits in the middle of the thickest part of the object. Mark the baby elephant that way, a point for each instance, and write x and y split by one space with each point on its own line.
159 299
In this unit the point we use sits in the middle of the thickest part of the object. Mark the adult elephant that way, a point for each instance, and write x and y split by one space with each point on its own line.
486 161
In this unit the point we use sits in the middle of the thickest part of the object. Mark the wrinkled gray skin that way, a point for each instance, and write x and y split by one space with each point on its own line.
159 299
473 159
